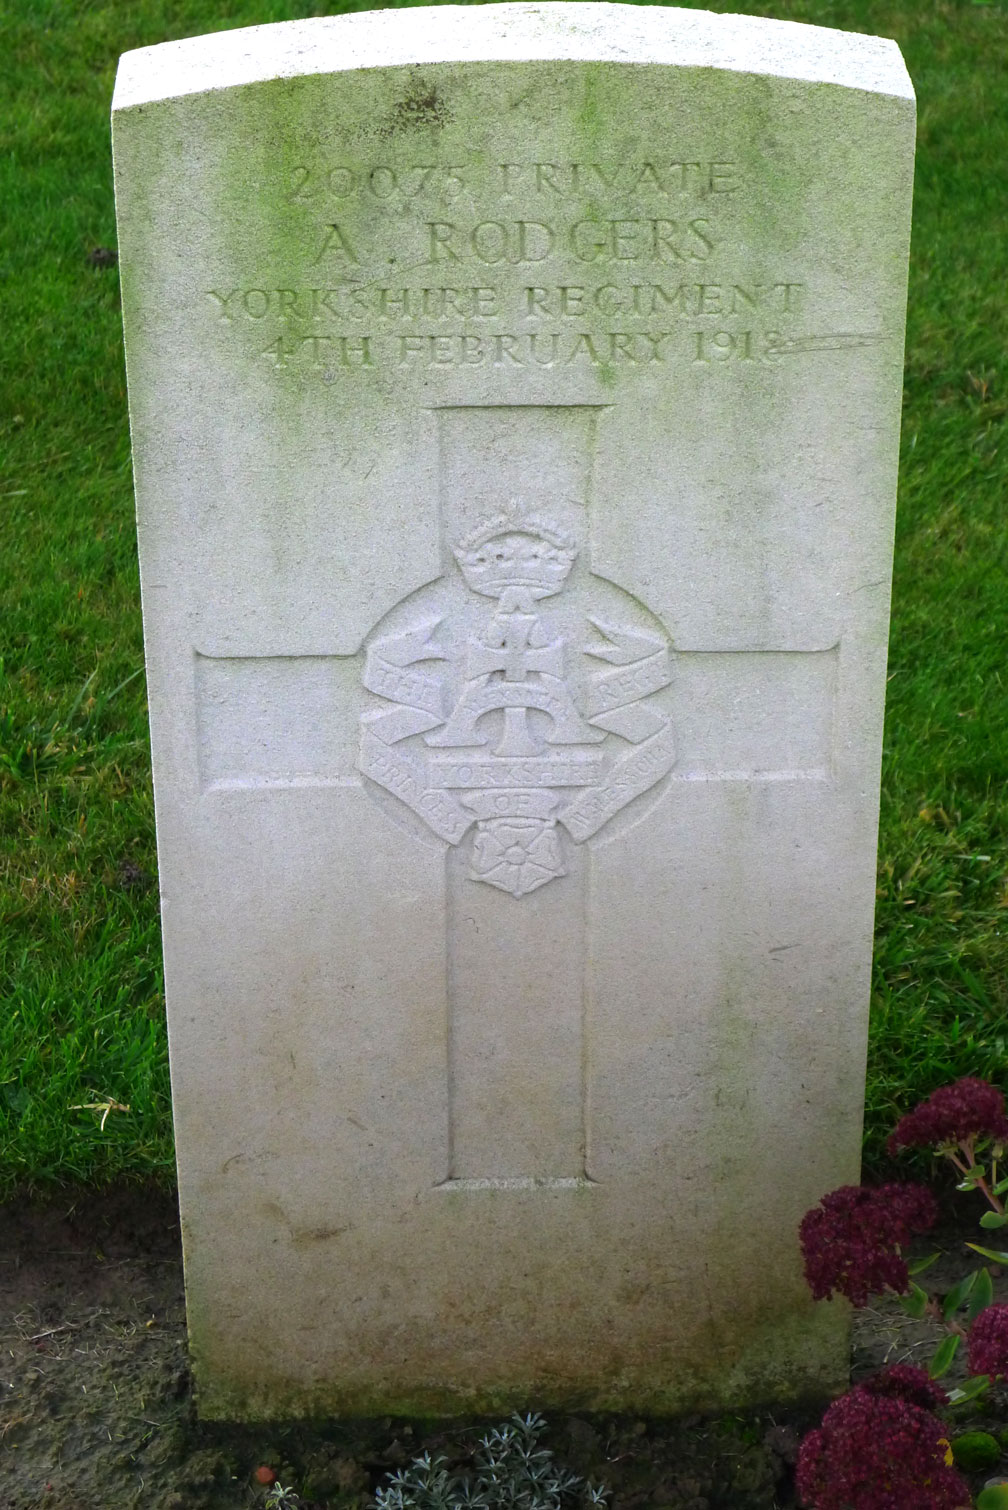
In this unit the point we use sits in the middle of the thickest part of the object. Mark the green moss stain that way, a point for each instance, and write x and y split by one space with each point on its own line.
422 106
607 375
778 1358
591 114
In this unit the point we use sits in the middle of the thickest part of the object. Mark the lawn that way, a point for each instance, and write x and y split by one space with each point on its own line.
83 1058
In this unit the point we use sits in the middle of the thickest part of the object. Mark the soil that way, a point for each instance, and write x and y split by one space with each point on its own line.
97 1413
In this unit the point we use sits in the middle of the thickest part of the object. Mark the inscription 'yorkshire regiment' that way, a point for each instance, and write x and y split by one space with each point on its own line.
354 301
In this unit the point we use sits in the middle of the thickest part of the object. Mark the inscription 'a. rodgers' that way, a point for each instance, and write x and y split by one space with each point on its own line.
595 240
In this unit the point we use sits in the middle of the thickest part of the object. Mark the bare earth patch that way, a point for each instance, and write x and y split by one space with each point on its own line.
96 1408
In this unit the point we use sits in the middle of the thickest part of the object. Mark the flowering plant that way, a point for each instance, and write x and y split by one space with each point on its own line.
881 1446
852 1240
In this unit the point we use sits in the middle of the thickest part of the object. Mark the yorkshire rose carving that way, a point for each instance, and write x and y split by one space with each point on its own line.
504 718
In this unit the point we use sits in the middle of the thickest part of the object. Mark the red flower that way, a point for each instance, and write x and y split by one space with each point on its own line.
953 1114
902 1381
851 1241
874 1452
988 1343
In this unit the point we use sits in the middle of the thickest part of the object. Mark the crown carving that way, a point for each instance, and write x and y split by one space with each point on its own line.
516 549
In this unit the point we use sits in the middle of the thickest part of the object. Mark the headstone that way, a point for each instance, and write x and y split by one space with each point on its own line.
515 395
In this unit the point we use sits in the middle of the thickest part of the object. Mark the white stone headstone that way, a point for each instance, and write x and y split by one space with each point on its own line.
515 396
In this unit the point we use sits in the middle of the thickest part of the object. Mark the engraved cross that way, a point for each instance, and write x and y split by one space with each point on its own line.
519 983
516 645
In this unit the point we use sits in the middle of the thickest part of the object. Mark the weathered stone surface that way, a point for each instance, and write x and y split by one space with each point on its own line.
515 395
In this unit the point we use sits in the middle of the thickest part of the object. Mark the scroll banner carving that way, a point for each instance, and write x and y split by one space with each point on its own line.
516 793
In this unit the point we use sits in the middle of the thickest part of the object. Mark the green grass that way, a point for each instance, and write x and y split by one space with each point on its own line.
80 984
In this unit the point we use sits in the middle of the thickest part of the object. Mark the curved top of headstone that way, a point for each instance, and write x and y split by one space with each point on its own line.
513 32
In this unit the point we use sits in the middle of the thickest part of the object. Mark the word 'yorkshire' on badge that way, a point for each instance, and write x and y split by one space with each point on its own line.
505 719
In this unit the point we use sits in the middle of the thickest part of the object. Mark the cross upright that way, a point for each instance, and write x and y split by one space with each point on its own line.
516 645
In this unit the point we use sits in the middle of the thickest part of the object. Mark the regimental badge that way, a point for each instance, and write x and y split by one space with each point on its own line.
504 719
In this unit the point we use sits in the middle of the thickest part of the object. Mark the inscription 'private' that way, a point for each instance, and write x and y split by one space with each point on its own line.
388 185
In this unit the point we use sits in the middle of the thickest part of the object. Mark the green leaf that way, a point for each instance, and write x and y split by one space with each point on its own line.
983 1294
958 1293
970 1390
944 1353
991 1253
920 1264
915 1304
991 1219
1001 1188
994 1497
